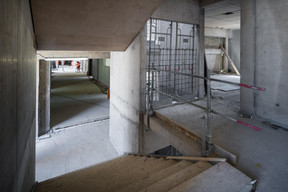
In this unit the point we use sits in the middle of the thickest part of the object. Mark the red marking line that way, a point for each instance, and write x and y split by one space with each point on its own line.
248 125
252 87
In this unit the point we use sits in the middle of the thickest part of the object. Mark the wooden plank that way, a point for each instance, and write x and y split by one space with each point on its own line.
197 158
230 61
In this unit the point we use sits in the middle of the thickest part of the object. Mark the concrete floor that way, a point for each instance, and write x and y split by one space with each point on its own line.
261 155
75 100
76 105
72 149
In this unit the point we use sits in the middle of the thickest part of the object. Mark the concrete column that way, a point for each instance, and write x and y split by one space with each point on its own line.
226 64
264 58
125 97
200 32
44 97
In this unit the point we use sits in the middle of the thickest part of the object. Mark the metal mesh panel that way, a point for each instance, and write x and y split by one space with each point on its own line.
170 51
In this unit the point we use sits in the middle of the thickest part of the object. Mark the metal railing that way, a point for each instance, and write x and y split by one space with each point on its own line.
207 145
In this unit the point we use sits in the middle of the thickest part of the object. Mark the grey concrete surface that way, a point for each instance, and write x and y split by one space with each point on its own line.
127 78
89 25
88 54
204 3
17 97
223 86
217 32
76 100
73 149
101 70
234 51
264 44
125 97
44 97
216 17
261 155
169 10
126 134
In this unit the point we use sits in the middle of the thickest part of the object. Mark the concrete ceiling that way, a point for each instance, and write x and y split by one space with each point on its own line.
223 14
89 25
74 54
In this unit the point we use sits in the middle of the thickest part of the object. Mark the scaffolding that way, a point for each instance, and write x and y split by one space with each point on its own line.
172 73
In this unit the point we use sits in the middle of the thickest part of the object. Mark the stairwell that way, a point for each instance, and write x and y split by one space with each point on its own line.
146 173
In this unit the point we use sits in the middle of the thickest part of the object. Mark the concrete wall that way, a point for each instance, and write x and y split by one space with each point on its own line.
128 81
234 49
101 70
264 58
17 97
213 54
217 32
214 37
125 96
185 11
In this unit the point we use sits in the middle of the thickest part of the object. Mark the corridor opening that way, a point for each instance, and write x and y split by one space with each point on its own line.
79 118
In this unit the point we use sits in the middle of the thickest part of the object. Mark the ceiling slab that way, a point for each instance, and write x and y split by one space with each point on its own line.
89 25
223 14
74 54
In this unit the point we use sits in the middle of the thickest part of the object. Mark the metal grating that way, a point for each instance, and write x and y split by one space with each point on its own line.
171 50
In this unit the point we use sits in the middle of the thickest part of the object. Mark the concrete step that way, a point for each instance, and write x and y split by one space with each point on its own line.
108 176
177 178
144 173
222 177
153 178
131 173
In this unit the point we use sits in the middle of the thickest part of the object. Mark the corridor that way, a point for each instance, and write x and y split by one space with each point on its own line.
80 128
75 100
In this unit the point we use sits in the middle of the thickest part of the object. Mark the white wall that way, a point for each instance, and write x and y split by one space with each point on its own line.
125 97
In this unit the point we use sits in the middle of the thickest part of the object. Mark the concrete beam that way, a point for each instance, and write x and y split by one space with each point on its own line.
88 54
170 9
204 3
217 32
178 140
89 25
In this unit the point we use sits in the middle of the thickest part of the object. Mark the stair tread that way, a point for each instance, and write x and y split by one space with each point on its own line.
222 177
108 176
150 179
177 178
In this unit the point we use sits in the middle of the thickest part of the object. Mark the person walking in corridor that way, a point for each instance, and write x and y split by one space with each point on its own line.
78 66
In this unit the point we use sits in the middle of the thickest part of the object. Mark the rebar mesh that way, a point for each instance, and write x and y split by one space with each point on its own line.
171 49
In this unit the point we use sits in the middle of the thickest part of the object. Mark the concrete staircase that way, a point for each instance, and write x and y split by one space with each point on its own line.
145 173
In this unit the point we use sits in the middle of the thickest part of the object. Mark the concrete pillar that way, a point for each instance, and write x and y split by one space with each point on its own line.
264 58
44 97
226 64
200 32
125 97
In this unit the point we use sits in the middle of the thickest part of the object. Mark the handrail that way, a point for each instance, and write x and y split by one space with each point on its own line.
217 80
